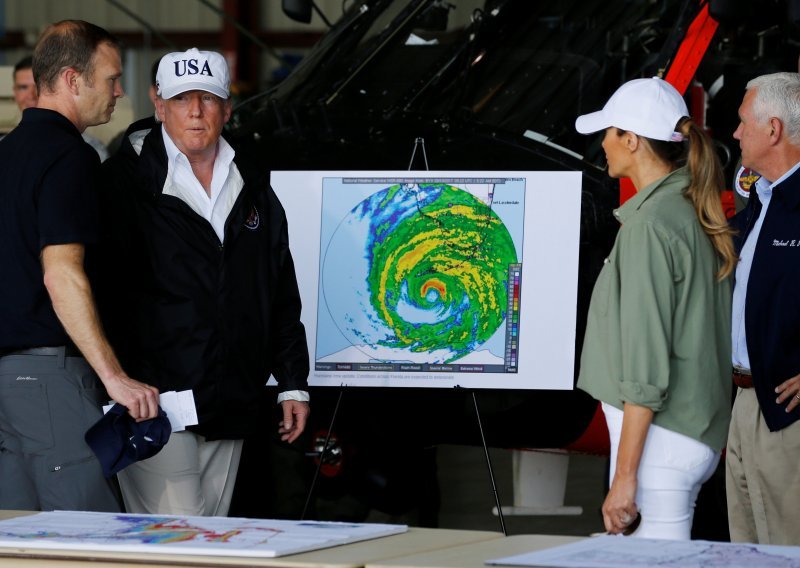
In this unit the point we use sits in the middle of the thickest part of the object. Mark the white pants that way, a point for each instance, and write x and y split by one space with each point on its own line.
672 470
189 476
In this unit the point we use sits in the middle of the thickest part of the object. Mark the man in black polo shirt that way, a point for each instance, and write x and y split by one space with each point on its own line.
50 394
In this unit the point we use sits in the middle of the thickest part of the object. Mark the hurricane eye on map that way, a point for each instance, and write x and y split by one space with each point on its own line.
418 273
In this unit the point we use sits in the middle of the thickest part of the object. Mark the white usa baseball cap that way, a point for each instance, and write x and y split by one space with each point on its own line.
193 70
647 107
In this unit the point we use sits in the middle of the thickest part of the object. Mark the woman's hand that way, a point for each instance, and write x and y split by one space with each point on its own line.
619 508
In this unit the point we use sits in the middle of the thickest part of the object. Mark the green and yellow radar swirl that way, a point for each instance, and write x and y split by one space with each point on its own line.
437 275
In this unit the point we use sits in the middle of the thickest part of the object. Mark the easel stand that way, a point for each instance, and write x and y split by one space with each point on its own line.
498 508
323 451
418 142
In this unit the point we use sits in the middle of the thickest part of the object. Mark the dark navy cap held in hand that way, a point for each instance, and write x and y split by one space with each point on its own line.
118 440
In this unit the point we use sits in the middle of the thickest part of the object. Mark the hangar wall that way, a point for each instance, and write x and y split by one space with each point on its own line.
182 23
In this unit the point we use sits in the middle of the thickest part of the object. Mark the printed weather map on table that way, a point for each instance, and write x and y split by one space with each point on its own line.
436 279
615 551
166 534
420 272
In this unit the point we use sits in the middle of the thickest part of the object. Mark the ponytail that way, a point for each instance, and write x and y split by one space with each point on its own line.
705 194
705 187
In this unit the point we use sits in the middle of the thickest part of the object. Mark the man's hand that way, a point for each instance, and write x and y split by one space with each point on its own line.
295 414
789 389
71 294
140 399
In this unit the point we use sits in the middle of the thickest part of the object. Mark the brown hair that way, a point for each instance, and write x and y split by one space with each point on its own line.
68 43
24 63
705 187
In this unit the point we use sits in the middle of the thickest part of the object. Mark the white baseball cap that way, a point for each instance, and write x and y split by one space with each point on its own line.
647 107
193 70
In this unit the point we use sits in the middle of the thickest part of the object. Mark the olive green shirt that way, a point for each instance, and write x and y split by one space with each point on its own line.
658 331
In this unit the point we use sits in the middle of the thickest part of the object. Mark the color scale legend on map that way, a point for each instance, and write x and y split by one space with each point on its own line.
512 317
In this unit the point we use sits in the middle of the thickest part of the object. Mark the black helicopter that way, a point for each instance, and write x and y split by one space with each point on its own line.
491 85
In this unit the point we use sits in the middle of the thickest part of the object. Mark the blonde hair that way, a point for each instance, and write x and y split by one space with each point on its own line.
705 193
705 188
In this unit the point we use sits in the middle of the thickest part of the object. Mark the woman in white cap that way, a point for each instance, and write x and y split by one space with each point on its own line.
657 346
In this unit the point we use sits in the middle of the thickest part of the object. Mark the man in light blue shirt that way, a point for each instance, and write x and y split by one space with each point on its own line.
763 480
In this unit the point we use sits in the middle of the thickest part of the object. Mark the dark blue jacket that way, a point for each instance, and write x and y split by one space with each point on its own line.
772 309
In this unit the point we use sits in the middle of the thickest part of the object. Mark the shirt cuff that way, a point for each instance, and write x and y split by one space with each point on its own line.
298 395
643 394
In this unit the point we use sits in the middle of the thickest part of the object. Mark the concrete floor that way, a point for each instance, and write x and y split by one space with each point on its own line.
467 498
446 486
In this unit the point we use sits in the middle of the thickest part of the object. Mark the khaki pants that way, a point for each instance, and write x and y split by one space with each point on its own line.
189 476
762 477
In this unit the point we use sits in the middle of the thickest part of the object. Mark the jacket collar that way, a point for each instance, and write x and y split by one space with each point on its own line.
674 182
154 165
789 189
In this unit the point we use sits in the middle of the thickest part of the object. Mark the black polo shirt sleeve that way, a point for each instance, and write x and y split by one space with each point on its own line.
67 199
48 196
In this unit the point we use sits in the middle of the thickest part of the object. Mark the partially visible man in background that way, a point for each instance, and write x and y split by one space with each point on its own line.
25 93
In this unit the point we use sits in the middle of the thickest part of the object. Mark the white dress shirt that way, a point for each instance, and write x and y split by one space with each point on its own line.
226 185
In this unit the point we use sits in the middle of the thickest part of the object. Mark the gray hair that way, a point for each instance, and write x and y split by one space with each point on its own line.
778 95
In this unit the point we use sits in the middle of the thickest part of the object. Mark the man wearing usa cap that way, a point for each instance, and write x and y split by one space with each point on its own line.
201 256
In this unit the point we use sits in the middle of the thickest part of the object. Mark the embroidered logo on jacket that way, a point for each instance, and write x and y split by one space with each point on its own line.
253 219
745 178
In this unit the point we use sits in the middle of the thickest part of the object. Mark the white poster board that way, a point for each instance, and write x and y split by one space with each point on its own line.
176 534
436 279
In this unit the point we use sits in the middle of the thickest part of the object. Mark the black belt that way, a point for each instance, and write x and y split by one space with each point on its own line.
66 350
